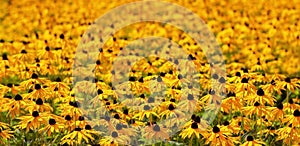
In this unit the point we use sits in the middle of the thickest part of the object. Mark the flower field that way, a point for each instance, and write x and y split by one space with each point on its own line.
55 89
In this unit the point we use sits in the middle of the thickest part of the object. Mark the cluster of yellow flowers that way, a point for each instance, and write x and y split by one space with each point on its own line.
260 41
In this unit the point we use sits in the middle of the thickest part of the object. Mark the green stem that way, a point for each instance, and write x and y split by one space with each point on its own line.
191 140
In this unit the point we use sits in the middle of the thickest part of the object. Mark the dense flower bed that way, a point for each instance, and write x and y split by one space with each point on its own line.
260 41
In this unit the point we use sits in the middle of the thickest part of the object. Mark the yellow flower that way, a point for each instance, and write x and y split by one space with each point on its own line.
155 132
251 142
33 121
78 134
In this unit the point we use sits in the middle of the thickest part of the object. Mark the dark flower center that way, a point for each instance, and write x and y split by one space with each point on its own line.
116 116
132 79
297 113
215 76
87 127
9 85
260 92
39 101
159 79
180 76
81 118
171 107
107 118
231 94
37 87
24 52
191 57
35 113
34 76
61 36
150 100
222 80
125 111
162 74
211 92
156 128
119 127
193 117
216 129
194 125
98 62
58 79
78 129
250 138
226 123
280 106
172 100
288 80
52 121
68 117
4 57
99 91
245 80
18 97
256 104
74 104
47 48
238 74
197 119
142 96
141 80
190 97
147 107
114 134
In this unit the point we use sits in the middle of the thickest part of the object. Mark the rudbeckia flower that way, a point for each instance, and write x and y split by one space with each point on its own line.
252 142
246 86
77 135
5 133
145 111
52 126
276 112
39 105
15 106
261 97
289 134
272 87
218 137
293 119
35 79
114 139
155 132
257 109
33 121
290 84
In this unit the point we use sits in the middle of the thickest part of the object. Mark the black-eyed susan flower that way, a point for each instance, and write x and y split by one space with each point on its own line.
256 108
290 84
33 121
76 136
156 132
114 139
5 132
51 127
250 141
293 119
218 137
14 106
261 97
